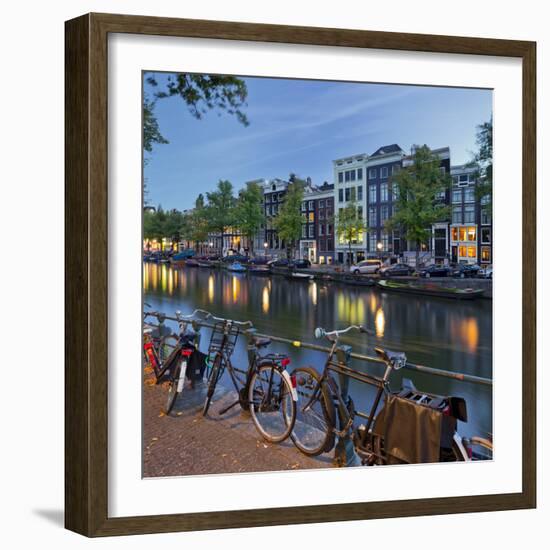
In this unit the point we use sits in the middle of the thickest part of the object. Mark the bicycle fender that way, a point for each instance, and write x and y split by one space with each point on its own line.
292 388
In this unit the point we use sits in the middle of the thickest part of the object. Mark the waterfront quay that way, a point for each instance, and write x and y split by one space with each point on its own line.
454 336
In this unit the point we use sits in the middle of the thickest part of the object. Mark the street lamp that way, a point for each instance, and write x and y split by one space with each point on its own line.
379 248
265 249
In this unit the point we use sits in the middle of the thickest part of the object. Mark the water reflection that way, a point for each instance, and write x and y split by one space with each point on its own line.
445 334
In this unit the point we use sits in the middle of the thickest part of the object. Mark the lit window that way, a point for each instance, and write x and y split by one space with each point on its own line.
311 217
485 254
462 233
454 233
472 253
471 233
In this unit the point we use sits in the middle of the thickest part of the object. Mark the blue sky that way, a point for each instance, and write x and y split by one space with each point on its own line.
300 126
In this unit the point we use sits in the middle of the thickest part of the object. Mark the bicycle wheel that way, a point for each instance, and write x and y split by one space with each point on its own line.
313 429
173 390
212 382
272 407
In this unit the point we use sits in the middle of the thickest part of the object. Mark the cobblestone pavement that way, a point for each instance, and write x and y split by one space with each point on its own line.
186 443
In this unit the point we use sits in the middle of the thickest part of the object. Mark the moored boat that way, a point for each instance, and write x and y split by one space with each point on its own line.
191 263
259 270
236 267
294 276
431 289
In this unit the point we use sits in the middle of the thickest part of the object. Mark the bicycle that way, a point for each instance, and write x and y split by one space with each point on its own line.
315 427
175 363
265 388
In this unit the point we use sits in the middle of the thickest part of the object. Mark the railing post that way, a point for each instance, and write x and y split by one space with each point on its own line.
344 452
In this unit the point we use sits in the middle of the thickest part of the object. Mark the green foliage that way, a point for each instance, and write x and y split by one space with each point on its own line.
151 130
249 213
195 223
220 210
350 227
483 159
417 206
288 222
200 93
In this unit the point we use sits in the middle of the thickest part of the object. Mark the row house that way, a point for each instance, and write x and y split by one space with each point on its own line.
471 230
274 194
349 186
317 239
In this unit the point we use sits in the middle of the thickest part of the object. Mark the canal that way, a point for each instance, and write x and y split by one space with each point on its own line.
451 335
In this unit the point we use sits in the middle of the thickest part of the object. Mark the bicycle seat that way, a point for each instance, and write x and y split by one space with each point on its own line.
396 358
261 342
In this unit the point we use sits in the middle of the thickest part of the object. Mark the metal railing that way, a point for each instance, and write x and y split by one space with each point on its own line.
463 377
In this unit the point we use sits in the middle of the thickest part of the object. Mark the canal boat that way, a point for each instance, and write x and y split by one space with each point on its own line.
191 263
180 257
303 277
259 270
236 267
205 263
438 291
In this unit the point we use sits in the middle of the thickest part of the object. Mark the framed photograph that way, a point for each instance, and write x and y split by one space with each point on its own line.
281 304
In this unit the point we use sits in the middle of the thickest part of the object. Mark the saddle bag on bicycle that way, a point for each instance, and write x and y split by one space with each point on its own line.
196 366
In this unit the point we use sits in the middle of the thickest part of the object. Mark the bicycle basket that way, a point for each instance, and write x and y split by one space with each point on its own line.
223 338
196 366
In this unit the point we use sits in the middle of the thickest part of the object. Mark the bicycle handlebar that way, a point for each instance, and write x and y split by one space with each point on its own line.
321 332
208 315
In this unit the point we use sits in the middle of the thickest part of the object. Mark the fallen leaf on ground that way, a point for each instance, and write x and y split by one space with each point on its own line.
161 414
148 370
154 439
150 382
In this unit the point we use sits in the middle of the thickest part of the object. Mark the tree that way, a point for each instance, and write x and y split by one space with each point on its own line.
151 130
194 225
350 226
249 213
288 222
200 93
483 160
220 210
417 205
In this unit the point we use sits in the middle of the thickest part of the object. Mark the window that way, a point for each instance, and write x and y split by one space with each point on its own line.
472 252
359 192
359 173
372 193
486 216
486 254
484 200
383 213
486 236
329 230
360 212
384 239
454 233
463 178
457 214
471 233
383 192
395 191
321 229
384 172
348 194
372 217
457 195
329 213
352 177
329 202
353 194
303 206
372 242
310 206
311 217
395 168
340 195
442 170
469 195
372 173
469 213
348 175
340 177
321 204
322 214
311 231
304 229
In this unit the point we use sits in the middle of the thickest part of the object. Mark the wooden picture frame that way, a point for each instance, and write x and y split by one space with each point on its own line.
86 280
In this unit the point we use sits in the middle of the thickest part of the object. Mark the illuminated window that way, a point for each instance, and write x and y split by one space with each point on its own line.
454 233
462 251
462 234
471 233
311 217
472 253
485 254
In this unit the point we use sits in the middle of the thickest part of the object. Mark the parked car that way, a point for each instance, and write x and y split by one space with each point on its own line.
486 272
465 270
301 264
434 271
281 262
366 266
396 270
